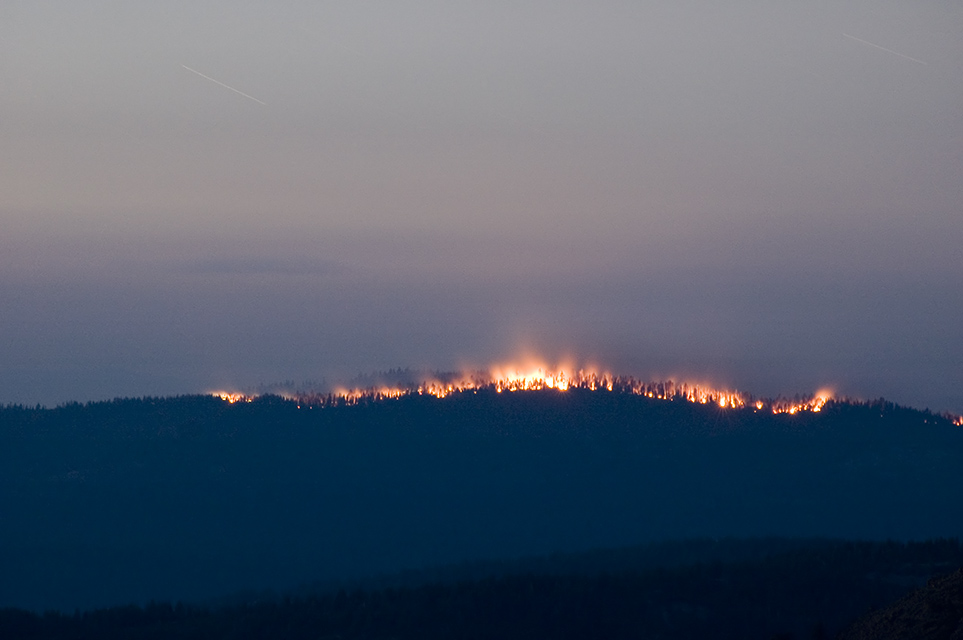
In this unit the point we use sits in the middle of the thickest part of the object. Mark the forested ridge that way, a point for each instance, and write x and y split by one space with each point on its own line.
191 499
578 410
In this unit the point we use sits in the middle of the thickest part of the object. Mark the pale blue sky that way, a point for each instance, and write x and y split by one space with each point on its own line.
761 195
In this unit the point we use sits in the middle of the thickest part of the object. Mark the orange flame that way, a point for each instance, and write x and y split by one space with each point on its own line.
537 376
232 396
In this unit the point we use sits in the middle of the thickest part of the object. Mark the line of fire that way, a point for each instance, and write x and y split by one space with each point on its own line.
508 380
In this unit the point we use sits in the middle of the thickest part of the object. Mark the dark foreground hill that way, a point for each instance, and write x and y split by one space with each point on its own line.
934 612
779 589
192 498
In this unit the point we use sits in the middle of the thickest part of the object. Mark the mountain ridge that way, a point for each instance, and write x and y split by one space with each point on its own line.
192 497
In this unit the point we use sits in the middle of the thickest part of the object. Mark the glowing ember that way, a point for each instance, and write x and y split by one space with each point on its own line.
232 397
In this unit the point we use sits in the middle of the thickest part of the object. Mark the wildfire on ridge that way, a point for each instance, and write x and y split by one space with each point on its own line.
538 377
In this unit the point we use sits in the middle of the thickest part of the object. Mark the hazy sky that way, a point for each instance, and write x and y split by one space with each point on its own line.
765 195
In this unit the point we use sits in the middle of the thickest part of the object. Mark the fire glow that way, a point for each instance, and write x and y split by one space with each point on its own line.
232 397
535 375
513 379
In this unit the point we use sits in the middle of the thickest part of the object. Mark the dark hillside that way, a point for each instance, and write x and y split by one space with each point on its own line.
788 589
191 497
934 612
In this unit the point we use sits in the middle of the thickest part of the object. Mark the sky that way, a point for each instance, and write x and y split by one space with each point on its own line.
762 195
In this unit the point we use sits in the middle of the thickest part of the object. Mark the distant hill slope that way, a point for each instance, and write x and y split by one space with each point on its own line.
749 589
193 497
934 612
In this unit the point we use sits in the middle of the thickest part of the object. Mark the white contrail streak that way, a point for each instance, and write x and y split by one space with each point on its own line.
223 85
846 35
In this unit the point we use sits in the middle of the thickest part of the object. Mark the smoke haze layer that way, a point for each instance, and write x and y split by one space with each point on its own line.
762 196
114 320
